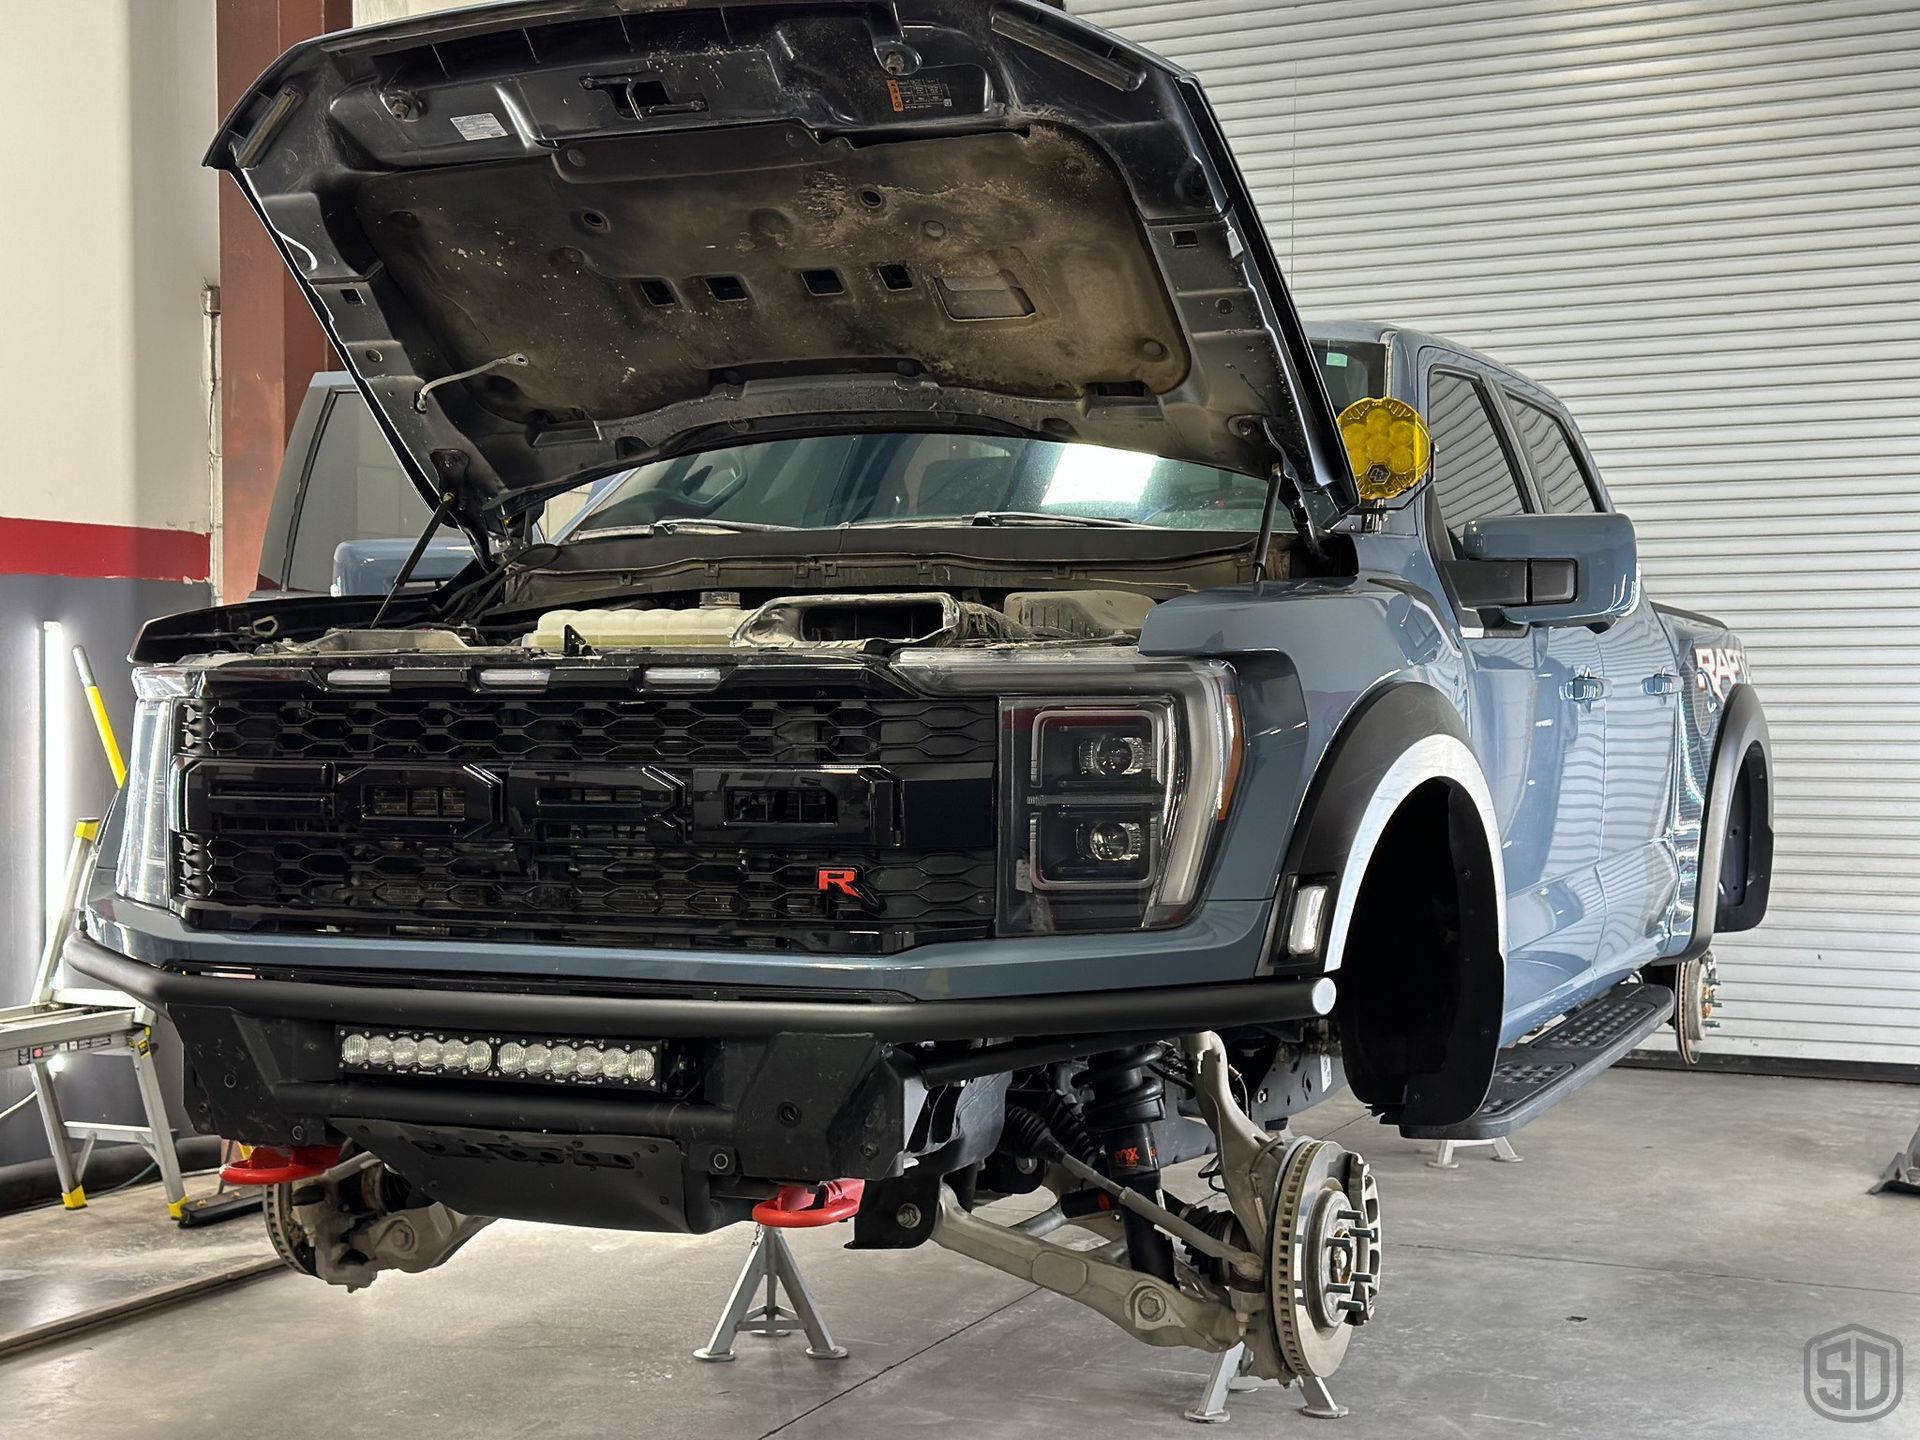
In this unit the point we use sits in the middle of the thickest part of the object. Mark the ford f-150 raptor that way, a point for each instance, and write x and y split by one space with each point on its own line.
1005 725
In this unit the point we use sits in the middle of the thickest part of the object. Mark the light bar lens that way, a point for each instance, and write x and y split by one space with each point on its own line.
576 1061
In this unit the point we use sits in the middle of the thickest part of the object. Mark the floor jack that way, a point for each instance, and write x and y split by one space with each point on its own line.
770 1262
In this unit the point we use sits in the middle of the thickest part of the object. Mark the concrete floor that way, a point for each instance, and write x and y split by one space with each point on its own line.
1652 1269
56 1263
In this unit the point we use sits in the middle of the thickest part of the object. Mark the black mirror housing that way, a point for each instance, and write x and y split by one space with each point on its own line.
1549 569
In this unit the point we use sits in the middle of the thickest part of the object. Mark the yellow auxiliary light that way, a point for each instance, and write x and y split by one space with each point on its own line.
1387 445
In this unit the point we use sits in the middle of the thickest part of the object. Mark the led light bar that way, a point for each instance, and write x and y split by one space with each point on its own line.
566 1061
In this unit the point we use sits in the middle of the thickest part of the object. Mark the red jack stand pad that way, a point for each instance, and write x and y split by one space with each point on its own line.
797 1207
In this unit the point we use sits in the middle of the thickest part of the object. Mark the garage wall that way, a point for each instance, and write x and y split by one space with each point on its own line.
107 241
373 12
1698 221
107 237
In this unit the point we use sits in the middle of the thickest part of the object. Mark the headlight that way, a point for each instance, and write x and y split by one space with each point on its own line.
1091 785
1115 774
1109 805
144 839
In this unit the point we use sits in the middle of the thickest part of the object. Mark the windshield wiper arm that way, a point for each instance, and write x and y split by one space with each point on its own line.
1042 517
694 522
988 518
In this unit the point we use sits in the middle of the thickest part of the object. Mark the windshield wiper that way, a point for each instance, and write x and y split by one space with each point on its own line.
990 518
692 522
680 522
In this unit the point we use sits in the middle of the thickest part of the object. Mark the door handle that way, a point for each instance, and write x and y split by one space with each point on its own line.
1584 689
1663 682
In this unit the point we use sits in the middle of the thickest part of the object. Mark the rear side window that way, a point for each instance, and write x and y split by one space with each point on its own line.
1563 483
1472 477
355 490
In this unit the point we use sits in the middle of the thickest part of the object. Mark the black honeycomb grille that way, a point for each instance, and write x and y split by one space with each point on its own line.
636 732
563 885
270 844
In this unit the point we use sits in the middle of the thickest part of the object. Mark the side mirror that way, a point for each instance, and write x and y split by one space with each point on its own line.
1548 569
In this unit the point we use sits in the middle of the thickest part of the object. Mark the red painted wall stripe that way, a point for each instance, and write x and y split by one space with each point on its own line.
63 547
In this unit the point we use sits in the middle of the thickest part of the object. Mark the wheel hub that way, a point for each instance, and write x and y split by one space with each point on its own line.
1696 996
1323 1255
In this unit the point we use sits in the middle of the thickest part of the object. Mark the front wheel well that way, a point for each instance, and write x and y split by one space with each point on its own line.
1422 979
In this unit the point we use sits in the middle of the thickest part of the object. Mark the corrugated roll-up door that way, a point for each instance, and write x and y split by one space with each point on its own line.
1698 222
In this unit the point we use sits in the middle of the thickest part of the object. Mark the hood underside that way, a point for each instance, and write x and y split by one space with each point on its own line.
551 239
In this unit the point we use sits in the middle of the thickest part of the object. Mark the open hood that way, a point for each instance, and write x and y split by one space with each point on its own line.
557 237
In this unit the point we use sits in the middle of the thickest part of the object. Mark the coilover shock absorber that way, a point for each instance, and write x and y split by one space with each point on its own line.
1125 1098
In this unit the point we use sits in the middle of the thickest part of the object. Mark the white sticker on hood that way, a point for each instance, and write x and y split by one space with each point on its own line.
479 127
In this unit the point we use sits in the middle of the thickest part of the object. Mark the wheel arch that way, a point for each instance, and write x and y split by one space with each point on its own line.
1401 811
1736 828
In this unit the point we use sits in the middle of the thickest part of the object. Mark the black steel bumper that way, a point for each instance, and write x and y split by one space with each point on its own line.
1160 1010
788 1089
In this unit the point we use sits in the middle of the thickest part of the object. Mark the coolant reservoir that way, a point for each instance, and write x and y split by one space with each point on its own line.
709 626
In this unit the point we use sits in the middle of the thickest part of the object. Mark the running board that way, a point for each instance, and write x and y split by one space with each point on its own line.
1532 1077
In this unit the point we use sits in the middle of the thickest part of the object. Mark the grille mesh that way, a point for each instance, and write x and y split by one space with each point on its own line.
269 845
638 732
563 883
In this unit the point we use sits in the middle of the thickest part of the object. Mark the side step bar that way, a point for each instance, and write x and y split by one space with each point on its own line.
1532 1077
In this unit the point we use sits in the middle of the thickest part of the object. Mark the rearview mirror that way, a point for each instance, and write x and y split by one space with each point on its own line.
1548 569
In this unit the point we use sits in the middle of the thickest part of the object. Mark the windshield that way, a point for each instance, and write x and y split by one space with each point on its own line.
826 480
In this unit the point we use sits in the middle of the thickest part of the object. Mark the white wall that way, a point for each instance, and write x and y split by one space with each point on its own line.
1699 223
372 12
108 233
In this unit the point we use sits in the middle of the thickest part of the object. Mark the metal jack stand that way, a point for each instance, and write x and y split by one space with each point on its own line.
1502 1151
1903 1172
770 1260
1229 1377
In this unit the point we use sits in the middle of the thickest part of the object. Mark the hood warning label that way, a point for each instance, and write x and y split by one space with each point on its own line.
479 127
918 93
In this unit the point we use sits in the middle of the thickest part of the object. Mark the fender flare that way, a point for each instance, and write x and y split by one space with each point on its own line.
1741 747
1394 741
1397 741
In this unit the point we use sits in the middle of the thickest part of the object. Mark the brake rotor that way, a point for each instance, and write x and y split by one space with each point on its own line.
1323 1255
1696 991
291 1242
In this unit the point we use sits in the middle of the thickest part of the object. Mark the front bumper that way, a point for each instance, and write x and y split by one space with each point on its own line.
789 1089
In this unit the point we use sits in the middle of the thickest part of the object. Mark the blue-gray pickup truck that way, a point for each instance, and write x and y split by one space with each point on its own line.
1019 710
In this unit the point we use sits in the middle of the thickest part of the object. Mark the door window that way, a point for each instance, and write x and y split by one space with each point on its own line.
1351 370
1561 478
1472 474
355 490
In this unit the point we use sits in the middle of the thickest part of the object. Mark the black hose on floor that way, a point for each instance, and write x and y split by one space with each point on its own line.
34 1182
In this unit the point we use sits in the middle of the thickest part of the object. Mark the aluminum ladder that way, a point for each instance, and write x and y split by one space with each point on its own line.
59 1021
